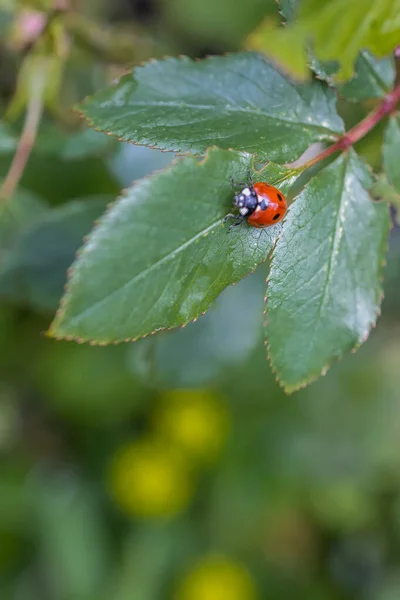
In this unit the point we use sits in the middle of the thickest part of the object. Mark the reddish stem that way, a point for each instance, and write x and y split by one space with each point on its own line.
25 146
352 136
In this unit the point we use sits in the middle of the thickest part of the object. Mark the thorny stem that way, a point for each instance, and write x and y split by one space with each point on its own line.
352 136
25 146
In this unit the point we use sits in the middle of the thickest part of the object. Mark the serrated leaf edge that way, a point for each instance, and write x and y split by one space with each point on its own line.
79 107
70 272
290 389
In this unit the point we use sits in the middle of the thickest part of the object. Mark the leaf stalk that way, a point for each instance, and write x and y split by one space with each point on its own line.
384 108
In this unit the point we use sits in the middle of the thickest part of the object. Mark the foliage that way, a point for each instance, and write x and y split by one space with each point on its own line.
150 282
324 285
337 30
161 254
237 101
175 467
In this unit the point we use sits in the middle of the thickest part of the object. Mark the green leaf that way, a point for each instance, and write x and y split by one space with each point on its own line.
35 270
238 101
324 288
165 360
289 48
288 8
382 189
373 77
22 210
162 254
338 30
391 151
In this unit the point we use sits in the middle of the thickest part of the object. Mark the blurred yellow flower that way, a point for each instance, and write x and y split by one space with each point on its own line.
217 578
195 420
150 479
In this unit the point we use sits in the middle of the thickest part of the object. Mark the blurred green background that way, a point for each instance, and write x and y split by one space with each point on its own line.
175 468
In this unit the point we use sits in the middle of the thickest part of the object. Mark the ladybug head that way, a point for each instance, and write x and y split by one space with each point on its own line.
246 201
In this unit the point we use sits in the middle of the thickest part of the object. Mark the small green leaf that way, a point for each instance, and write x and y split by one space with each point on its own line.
373 78
324 288
238 101
391 151
162 254
288 8
383 190
35 270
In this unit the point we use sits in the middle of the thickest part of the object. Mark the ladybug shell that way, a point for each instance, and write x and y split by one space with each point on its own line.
271 207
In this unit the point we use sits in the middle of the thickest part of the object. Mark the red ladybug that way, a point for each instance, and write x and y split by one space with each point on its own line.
260 204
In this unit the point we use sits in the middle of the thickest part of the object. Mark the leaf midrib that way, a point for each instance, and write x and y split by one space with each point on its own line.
328 277
258 112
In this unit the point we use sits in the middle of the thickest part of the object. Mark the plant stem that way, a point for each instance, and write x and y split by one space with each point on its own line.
24 149
352 136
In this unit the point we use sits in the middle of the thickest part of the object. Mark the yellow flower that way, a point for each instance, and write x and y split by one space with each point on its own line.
149 479
217 578
195 420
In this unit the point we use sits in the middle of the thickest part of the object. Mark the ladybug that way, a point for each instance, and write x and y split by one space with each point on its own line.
260 204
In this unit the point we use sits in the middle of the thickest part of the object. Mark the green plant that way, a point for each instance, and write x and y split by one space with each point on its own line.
161 254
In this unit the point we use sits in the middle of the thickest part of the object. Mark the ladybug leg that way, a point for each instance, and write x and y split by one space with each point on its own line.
230 216
235 224
237 218
250 177
236 184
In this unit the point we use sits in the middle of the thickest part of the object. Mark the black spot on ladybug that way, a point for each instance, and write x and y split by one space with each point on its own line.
263 205
276 217
280 198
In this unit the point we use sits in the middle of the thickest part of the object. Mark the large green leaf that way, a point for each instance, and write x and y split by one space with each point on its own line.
162 254
36 267
238 101
338 30
391 151
324 288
